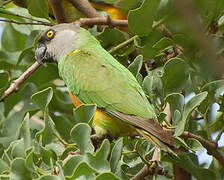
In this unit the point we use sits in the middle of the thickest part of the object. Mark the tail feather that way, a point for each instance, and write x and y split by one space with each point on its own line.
148 128
156 141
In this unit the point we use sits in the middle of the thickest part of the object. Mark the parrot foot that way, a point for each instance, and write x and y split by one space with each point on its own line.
97 140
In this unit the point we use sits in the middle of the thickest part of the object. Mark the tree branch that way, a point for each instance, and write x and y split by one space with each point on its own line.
211 147
85 7
26 23
58 10
153 168
141 174
178 172
103 21
14 86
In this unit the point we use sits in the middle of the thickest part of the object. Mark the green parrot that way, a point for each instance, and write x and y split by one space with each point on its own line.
94 76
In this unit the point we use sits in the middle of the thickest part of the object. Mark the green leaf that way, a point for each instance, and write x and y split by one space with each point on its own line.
43 98
63 126
142 15
127 5
177 117
14 120
4 78
188 109
116 154
71 164
29 162
38 8
175 76
163 43
107 175
47 155
194 144
184 144
83 170
19 171
12 40
84 113
136 65
24 53
111 37
99 160
47 134
18 149
176 102
80 134
25 132
56 148
153 85
146 47
3 166
49 177
214 90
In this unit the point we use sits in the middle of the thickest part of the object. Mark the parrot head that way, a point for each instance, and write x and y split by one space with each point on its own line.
56 41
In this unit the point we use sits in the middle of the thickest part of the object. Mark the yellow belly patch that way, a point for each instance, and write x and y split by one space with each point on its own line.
105 124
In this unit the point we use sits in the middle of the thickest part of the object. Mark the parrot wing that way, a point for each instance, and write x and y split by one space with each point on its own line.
99 79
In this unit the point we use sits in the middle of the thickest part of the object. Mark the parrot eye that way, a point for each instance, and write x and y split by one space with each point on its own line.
50 34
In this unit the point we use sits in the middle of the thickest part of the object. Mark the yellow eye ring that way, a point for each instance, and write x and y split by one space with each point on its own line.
50 34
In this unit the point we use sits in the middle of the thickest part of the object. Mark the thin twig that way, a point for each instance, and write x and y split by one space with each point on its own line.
85 7
16 83
219 135
58 10
24 17
70 155
123 44
27 23
103 21
207 126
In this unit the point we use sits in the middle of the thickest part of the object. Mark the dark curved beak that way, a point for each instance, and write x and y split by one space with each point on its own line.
40 53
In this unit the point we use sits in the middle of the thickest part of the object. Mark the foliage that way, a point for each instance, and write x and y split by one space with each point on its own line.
39 125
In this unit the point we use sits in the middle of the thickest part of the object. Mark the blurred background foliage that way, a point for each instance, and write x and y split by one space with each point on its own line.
176 53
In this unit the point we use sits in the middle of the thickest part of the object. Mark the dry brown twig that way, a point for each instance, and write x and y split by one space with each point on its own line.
58 10
154 168
14 86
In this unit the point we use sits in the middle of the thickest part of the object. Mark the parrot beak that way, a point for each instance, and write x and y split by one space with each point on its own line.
40 53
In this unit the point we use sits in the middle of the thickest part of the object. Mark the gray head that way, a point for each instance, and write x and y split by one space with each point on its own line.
56 41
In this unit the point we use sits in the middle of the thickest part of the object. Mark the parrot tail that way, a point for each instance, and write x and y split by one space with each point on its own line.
149 129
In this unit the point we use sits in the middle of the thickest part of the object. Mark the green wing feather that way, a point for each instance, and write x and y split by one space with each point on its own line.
96 77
